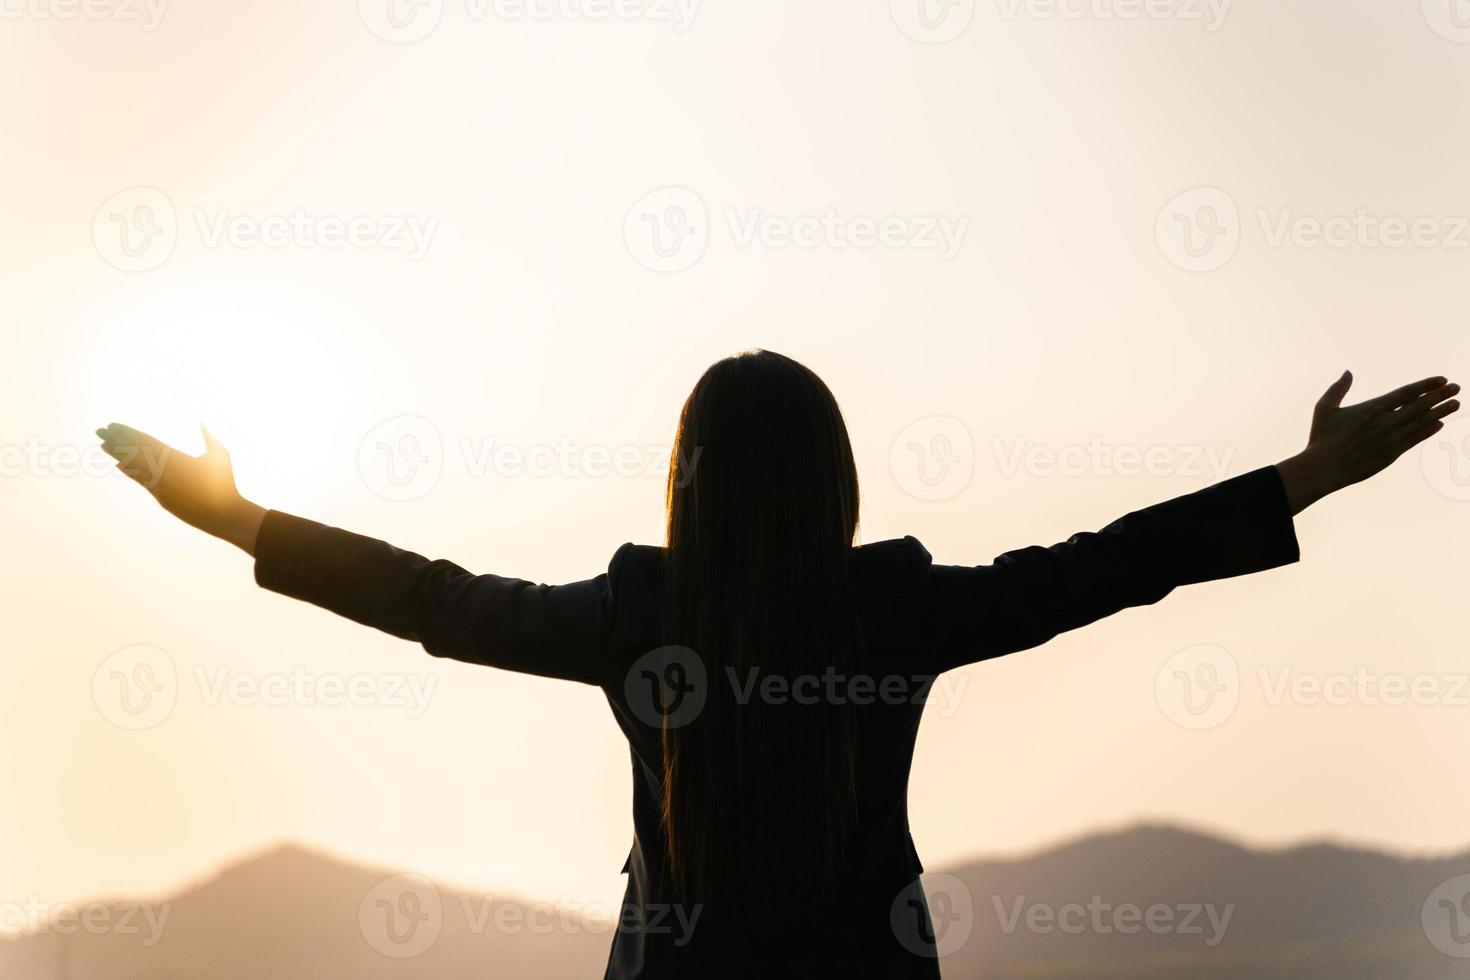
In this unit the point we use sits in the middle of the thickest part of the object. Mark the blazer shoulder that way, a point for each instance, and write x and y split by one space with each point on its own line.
894 560
635 589
891 584
633 565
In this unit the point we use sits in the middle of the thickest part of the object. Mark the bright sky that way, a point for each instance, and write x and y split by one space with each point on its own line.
505 288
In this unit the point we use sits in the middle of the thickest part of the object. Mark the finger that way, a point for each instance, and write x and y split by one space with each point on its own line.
130 444
128 457
1404 395
136 474
126 435
1444 411
132 455
1333 396
212 446
1422 405
139 464
1416 434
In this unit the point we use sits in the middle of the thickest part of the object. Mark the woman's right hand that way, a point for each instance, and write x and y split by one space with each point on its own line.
198 490
1349 444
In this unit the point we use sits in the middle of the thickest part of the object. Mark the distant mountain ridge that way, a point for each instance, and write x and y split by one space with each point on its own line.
1152 902
1318 910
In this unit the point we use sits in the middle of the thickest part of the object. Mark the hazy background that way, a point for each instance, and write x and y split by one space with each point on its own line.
1067 319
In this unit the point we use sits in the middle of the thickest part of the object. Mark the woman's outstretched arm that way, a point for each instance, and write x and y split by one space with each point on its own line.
1243 525
550 630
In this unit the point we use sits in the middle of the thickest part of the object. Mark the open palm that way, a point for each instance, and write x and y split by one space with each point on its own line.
198 490
1360 440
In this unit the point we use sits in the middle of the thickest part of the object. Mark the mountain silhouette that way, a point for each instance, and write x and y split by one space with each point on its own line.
1205 908
291 912
1320 910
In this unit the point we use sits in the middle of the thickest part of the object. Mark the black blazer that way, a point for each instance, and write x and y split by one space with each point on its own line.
919 619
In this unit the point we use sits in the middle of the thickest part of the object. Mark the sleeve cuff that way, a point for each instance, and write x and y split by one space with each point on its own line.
283 561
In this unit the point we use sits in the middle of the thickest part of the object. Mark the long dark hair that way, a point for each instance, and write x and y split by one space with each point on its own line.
759 794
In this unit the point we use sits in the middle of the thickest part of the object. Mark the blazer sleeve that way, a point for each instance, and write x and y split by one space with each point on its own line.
549 630
1026 597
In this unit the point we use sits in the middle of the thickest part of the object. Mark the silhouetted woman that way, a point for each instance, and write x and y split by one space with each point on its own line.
768 674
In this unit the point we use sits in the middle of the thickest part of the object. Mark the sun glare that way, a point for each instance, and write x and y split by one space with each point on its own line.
256 375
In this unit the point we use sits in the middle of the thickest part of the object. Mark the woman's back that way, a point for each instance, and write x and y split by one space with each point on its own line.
651 685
